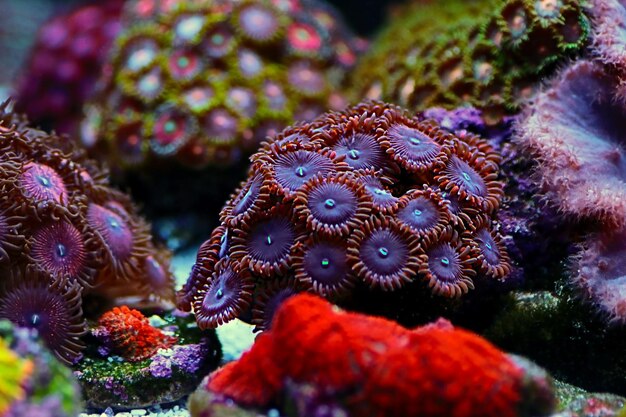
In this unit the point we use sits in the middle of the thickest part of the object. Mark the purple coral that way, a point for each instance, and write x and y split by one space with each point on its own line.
336 203
609 32
53 308
576 132
65 62
524 221
68 234
599 273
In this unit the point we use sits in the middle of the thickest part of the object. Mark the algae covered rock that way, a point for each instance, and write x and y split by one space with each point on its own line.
575 402
565 337
130 377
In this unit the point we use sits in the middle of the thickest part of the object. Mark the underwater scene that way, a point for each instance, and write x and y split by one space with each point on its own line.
313 208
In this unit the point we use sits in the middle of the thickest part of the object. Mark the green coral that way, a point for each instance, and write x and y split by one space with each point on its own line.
487 53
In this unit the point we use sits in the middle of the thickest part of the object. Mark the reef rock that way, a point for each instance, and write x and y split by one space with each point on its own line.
134 361
575 402
555 330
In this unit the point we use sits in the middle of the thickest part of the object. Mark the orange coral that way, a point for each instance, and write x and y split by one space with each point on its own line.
374 367
128 333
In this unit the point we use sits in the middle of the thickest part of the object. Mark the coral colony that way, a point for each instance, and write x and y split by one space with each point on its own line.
487 53
319 359
65 63
576 132
204 82
127 332
369 196
64 234
136 361
482 172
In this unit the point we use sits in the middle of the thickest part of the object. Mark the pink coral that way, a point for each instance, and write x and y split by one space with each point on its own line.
609 32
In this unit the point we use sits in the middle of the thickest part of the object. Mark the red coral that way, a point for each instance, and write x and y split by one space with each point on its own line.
374 367
129 333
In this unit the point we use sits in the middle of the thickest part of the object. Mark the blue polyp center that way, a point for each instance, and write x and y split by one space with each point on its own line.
223 244
380 191
113 223
183 61
415 141
330 203
170 126
417 212
383 252
301 171
219 294
35 320
61 250
466 176
217 39
325 263
269 240
488 245
445 261
44 181
354 154
247 194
